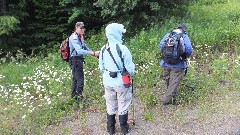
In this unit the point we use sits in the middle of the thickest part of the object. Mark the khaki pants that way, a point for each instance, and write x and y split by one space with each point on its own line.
118 99
172 76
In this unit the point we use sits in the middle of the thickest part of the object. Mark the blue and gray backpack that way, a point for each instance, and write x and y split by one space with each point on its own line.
173 47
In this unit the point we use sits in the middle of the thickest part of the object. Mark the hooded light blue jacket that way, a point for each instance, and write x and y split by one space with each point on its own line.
188 51
106 64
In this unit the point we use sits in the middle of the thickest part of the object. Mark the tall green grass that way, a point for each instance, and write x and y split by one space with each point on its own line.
216 24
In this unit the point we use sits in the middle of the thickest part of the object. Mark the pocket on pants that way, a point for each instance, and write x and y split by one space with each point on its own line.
178 73
79 65
126 95
110 93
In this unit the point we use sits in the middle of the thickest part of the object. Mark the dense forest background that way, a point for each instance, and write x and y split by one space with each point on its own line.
36 25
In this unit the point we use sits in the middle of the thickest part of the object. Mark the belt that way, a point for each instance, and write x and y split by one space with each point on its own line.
77 58
111 71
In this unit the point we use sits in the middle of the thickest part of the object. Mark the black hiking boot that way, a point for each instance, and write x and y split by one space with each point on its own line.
111 123
172 101
123 123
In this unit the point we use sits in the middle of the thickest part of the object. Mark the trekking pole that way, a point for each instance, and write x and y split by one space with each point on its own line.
132 121
133 104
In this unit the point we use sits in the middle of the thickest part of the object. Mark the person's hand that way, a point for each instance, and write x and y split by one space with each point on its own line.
97 53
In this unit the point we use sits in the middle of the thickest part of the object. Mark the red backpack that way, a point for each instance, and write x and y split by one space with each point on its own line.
64 50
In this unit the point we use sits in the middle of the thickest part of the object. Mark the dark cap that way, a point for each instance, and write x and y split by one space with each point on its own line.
79 24
182 26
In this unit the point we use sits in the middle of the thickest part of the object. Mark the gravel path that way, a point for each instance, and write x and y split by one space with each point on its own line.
169 120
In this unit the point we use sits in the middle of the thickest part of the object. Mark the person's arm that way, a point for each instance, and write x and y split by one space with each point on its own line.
86 47
101 62
162 41
77 46
128 63
95 53
188 46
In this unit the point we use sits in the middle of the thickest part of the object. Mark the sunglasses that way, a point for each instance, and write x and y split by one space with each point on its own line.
82 27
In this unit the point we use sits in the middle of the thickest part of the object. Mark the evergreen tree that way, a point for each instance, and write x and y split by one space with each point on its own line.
40 24
138 14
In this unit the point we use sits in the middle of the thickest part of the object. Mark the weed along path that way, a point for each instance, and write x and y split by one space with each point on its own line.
213 118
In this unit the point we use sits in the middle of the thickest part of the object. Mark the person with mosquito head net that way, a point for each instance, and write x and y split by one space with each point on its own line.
116 65
175 47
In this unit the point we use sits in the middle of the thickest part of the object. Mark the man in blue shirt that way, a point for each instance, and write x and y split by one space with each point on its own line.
174 73
118 97
78 49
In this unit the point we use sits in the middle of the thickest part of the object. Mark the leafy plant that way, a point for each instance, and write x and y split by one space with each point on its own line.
148 99
149 116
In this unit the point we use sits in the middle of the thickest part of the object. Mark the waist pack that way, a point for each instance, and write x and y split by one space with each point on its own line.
126 79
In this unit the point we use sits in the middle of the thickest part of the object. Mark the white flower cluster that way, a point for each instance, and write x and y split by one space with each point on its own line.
36 91
2 76
144 67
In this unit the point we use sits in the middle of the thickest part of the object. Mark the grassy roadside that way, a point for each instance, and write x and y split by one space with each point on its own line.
40 91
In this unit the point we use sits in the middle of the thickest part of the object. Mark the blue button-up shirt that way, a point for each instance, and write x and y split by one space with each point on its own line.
77 47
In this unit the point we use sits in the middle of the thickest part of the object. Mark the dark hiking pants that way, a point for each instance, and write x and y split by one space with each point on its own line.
76 64
173 77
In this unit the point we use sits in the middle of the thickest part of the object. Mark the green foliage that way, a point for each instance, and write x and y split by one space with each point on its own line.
8 25
138 14
36 23
40 25
189 87
209 2
149 116
83 11
36 94
207 80
39 87
97 41
148 99
41 93
211 24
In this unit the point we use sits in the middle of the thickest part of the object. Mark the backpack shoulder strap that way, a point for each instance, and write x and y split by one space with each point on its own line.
104 48
69 46
120 53
113 58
